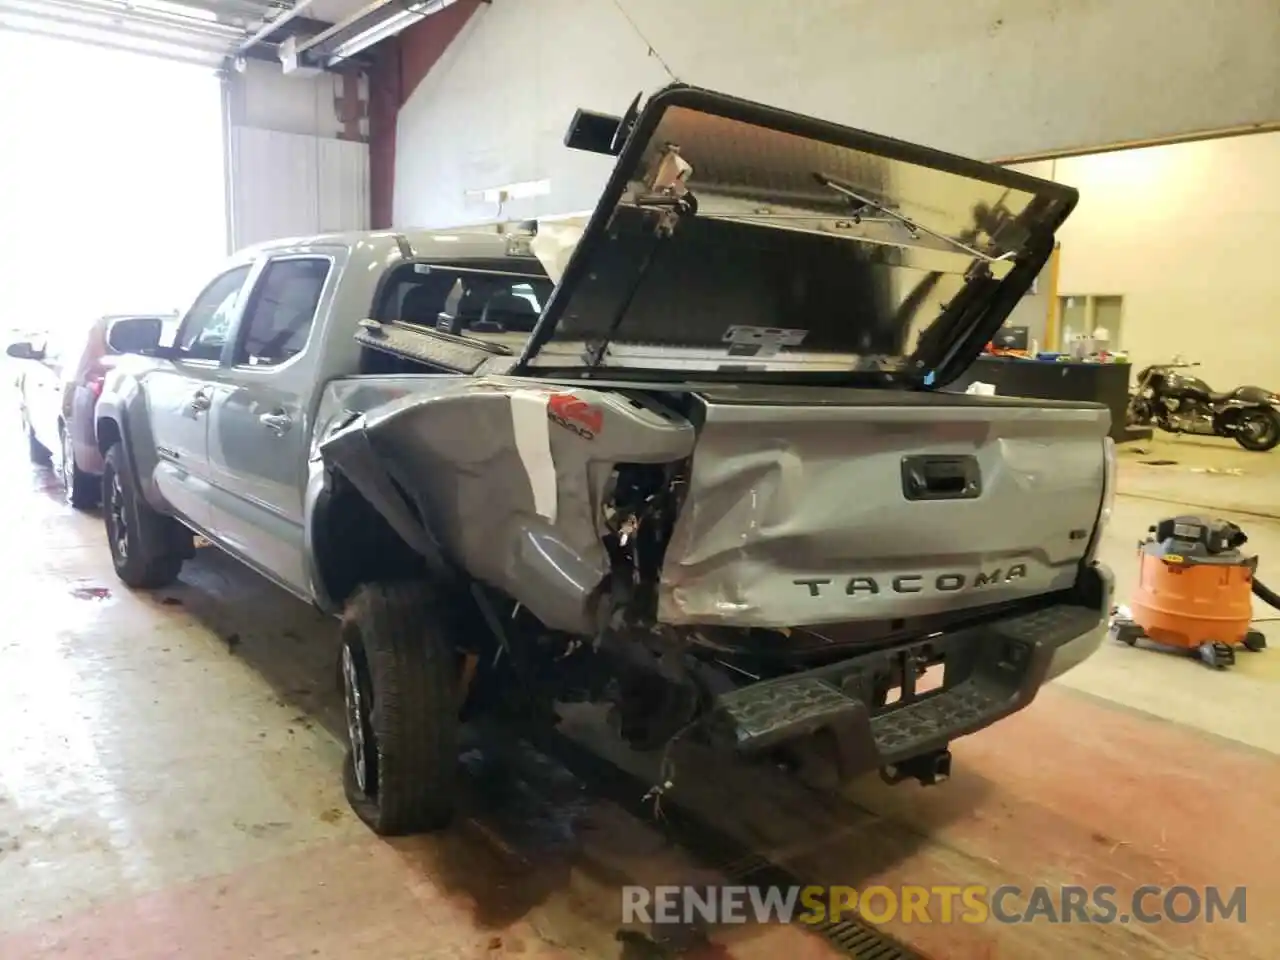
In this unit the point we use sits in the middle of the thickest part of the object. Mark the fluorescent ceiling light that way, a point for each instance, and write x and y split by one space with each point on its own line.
405 15
176 9
387 28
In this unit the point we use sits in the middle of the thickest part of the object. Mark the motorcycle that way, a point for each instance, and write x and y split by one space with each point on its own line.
1181 403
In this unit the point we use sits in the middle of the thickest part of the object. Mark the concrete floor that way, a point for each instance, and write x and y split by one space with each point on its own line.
169 788
1204 472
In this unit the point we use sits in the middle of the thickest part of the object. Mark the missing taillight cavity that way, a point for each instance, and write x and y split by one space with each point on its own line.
637 517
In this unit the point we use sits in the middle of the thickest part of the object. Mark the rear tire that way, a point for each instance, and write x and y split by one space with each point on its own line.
83 490
1266 433
398 670
147 548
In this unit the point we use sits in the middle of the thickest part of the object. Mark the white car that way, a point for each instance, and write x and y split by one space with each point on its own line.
58 387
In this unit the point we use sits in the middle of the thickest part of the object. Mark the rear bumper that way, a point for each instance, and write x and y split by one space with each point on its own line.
991 671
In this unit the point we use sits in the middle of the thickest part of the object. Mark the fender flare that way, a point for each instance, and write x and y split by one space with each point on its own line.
121 424
330 492
315 506
116 415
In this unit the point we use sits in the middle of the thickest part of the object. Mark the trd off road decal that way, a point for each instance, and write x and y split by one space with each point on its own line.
577 415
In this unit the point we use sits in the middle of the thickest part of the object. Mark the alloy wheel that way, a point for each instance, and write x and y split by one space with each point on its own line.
359 736
119 523
1258 428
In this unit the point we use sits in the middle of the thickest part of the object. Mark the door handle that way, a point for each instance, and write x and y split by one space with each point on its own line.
200 402
278 422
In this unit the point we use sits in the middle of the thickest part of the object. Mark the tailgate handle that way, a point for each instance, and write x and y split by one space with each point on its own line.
941 478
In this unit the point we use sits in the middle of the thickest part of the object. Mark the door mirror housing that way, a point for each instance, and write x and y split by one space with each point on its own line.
139 335
24 350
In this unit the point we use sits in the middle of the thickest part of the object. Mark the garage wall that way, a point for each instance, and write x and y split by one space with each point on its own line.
398 67
294 184
1189 235
989 78
298 160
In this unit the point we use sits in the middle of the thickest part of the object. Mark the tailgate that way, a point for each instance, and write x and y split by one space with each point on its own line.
733 235
811 507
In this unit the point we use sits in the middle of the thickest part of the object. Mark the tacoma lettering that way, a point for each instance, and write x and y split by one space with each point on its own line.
912 582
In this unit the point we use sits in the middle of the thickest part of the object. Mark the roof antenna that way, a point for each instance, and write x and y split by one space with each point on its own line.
624 126
652 52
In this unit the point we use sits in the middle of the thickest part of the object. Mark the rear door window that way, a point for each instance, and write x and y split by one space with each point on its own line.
481 303
281 311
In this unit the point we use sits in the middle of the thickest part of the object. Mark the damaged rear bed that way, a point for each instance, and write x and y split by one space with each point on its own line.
801 506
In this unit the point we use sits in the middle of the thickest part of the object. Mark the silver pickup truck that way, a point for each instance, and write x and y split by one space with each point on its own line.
692 458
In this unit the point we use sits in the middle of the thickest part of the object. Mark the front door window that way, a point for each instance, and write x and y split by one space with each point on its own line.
204 330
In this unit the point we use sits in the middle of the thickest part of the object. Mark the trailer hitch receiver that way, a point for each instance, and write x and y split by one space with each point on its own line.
929 768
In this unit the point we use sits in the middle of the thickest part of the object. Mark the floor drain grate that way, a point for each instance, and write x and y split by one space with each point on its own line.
715 848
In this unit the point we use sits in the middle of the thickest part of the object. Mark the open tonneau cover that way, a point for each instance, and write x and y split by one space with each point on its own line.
738 237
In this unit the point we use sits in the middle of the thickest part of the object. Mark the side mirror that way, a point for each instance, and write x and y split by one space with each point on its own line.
24 350
135 335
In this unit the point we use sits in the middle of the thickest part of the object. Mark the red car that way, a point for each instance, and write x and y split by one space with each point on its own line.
58 390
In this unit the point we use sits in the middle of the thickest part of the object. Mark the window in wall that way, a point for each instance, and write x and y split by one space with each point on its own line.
280 315
204 330
1106 319
1092 315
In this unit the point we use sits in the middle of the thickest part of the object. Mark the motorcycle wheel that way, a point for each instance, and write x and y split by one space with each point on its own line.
1137 413
1258 430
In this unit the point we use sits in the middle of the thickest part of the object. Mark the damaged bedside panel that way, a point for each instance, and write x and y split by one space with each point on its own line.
511 478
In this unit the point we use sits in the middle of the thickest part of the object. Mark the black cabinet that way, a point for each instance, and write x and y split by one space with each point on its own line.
1104 383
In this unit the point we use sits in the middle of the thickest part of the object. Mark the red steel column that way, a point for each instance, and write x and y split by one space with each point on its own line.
399 66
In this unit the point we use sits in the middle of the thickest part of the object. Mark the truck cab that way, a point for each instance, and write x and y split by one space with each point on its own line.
220 415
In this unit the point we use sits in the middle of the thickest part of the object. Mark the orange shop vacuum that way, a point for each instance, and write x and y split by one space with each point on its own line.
1194 587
